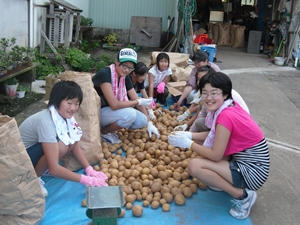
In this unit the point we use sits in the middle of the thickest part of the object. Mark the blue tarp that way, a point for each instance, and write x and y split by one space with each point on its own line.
63 207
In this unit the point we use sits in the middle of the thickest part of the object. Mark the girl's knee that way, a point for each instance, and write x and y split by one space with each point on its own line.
194 165
127 119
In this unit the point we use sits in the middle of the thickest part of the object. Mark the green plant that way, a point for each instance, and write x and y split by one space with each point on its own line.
111 38
87 64
29 52
6 43
46 67
11 81
17 53
86 21
23 88
75 57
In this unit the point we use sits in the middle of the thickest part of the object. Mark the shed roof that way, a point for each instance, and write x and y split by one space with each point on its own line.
67 5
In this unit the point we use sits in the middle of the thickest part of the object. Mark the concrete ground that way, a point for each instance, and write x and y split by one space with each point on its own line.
272 94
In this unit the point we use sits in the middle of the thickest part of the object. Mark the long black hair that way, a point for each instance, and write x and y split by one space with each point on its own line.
64 90
217 80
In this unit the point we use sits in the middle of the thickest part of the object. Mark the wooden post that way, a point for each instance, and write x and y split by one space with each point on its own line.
78 20
43 28
67 29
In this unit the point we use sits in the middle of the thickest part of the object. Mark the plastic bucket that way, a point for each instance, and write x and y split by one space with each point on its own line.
212 51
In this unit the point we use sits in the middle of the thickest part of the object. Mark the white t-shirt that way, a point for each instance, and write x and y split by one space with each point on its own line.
158 76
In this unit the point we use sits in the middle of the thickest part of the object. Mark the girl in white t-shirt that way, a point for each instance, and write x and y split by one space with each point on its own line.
158 77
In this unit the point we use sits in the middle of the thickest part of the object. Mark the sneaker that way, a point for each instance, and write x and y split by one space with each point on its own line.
111 138
44 190
214 188
241 208
47 173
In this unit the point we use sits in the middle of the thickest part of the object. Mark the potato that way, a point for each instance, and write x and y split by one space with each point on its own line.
162 175
166 207
176 190
194 188
202 186
155 204
168 197
130 198
174 183
83 202
156 186
122 214
146 203
137 210
136 185
162 201
128 205
179 199
187 192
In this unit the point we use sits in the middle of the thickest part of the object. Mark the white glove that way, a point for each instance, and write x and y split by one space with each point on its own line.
184 116
151 114
145 101
196 101
180 140
183 127
188 134
152 129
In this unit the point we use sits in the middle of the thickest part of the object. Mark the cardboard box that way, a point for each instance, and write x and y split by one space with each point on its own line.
176 88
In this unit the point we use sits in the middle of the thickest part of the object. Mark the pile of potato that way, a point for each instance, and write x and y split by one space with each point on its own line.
152 171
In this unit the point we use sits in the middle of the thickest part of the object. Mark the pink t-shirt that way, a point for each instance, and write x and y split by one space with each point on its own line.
245 132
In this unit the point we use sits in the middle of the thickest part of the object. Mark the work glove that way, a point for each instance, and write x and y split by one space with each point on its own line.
151 114
92 181
180 140
93 173
145 101
161 87
184 116
152 129
196 101
188 134
153 104
183 127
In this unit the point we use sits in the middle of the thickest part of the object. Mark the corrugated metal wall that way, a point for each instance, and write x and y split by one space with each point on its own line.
116 14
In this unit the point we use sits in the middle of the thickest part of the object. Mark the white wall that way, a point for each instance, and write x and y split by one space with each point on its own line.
15 22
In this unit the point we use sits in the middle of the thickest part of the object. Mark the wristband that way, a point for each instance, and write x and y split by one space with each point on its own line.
191 146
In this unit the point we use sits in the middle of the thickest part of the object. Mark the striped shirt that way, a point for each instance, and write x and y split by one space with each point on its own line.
254 164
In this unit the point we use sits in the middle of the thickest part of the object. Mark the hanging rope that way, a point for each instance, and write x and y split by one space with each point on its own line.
187 9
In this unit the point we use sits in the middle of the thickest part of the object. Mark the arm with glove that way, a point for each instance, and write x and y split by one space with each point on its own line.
152 130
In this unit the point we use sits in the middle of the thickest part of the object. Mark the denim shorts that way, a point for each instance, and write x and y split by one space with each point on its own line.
35 152
237 177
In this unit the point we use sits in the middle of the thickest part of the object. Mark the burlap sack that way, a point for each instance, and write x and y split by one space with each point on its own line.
210 31
50 80
216 32
182 74
21 197
239 37
88 118
179 59
224 34
232 34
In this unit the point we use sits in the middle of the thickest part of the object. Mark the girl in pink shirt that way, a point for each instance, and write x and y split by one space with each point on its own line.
235 156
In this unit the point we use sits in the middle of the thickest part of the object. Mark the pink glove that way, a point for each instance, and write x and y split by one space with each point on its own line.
92 181
161 87
153 104
93 173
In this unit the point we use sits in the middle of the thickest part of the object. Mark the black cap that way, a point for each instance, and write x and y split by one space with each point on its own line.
200 56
